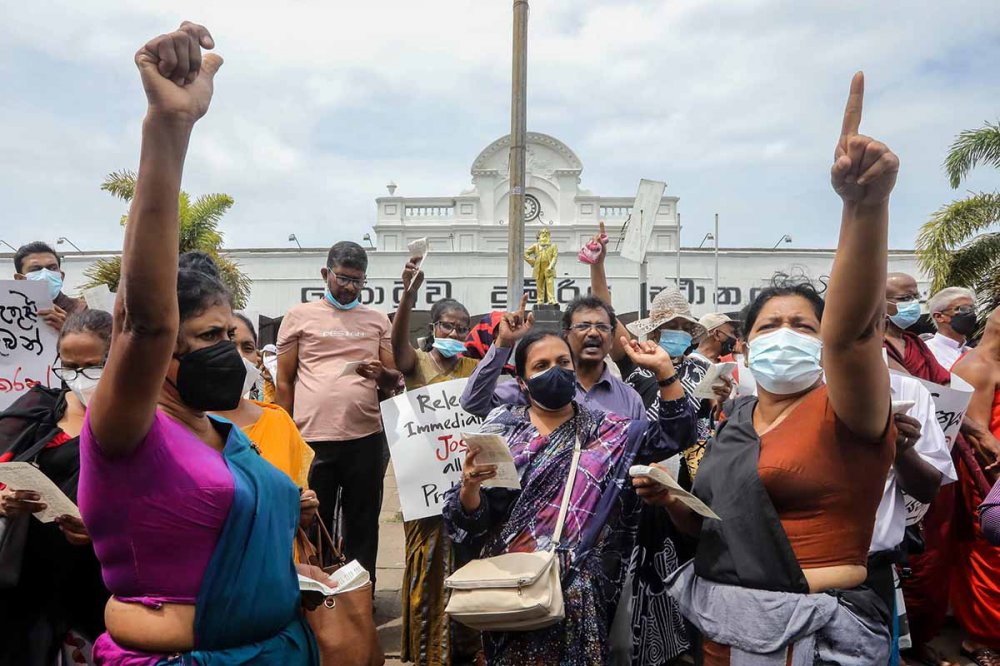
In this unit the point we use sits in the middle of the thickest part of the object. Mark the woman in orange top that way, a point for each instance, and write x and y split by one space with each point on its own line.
796 473
269 426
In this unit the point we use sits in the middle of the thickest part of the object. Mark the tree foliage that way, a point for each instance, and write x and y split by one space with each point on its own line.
958 246
199 230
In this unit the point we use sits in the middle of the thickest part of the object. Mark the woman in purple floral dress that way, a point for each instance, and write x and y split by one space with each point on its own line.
601 519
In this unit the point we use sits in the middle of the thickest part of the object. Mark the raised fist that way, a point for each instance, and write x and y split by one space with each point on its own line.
864 170
177 79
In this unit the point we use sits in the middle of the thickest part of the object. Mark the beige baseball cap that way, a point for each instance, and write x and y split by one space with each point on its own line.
714 320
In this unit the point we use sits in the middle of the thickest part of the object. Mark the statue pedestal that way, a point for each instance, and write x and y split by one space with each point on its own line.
547 317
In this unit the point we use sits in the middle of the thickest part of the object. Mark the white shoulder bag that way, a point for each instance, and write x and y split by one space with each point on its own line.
513 591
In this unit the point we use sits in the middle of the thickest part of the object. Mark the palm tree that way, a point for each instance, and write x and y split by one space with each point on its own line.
956 247
199 230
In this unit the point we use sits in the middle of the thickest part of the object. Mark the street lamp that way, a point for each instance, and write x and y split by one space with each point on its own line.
707 237
293 238
63 239
368 238
8 245
784 239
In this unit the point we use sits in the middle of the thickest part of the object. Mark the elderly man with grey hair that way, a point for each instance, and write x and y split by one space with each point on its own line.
953 311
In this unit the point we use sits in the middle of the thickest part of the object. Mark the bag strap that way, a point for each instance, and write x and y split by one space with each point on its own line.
567 494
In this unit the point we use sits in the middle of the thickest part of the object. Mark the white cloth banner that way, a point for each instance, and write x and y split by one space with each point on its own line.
950 404
27 343
424 428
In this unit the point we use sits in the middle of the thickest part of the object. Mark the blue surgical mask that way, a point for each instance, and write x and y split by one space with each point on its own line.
341 306
675 343
907 314
785 362
449 347
53 278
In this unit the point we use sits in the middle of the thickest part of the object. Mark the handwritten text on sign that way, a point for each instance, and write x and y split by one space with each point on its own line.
27 343
424 428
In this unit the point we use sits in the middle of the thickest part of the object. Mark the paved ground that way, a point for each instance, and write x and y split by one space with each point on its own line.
390 572
390 578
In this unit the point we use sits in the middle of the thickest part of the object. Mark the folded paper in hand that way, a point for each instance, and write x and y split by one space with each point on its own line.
347 578
350 368
664 479
418 250
714 376
493 450
25 476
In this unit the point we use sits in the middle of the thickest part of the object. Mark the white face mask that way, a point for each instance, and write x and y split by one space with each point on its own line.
83 388
271 364
785 362
253 376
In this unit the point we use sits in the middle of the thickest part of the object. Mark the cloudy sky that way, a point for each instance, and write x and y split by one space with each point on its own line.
736 105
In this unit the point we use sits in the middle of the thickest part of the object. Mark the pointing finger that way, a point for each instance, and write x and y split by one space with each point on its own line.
524 303
855 102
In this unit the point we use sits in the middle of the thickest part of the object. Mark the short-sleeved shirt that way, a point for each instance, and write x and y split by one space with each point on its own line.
328 407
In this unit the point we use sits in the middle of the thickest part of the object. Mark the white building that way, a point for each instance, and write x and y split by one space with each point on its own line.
468 246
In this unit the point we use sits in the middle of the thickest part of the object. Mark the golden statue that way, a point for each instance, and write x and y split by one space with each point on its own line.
542 258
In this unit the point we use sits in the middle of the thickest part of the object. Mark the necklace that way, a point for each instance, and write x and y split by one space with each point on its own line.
441 370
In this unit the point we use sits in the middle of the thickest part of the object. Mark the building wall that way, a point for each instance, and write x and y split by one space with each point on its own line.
282 277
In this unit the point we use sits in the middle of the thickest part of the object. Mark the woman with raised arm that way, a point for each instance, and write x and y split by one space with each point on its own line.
192 527
60 588
796 474
429 637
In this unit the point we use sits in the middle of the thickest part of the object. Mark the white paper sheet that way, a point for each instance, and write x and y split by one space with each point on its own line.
100 298
350 368
25 476
664 479
419 249
715 375
493 450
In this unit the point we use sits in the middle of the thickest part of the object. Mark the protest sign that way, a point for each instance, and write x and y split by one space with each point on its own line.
640 227
423 428
27 343
950 404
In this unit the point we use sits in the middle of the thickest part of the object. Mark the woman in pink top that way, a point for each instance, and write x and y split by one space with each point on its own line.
192 527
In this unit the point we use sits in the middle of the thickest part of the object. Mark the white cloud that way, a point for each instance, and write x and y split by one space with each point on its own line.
319 104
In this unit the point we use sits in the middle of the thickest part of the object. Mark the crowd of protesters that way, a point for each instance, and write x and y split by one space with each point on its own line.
847 530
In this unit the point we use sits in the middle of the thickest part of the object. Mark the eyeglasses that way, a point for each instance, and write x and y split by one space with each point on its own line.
69 374
449 327
346 281
585 326
964 309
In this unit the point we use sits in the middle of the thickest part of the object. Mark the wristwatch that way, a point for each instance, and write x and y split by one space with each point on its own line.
664 383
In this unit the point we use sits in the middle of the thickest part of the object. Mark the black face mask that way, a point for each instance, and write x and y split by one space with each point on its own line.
554 388
728 346
211 379
964 323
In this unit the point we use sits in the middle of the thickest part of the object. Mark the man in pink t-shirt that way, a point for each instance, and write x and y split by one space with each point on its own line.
337 415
